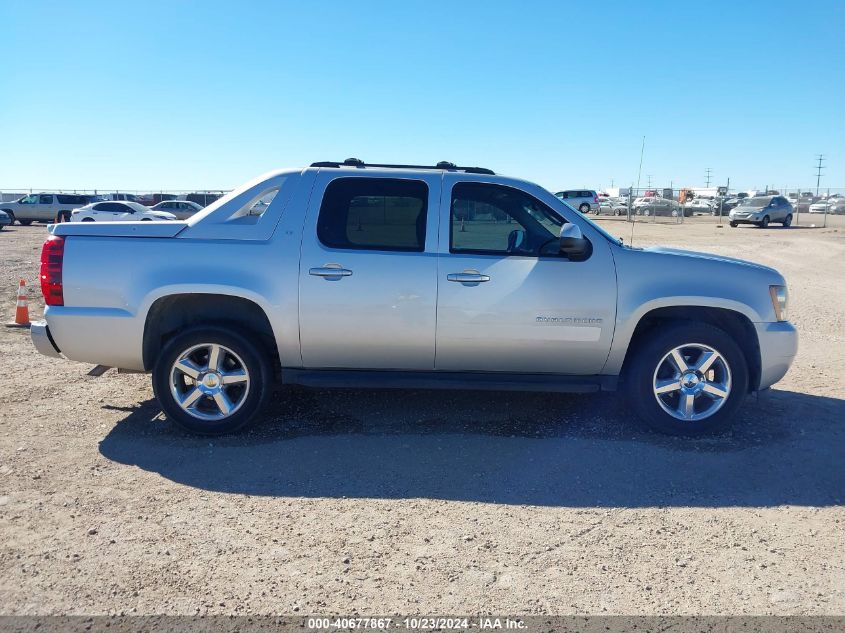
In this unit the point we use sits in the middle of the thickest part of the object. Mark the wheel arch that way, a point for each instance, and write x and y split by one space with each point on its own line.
170 314
736 324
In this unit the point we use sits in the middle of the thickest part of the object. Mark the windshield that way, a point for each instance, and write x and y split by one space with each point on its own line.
757 202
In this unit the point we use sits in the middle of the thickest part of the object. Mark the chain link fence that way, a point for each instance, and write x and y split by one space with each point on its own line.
710 205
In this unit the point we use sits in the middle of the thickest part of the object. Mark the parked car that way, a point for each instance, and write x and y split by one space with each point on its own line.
5 220
698 205
733 202
331 293
182 209
118 212
582 199
761 210
656 206
43 207
118 197
605 206
620 206
832 205
804 202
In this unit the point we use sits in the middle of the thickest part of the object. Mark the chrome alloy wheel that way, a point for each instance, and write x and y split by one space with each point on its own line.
692 382
209 381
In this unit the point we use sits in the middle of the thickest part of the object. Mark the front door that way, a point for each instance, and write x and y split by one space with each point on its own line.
508 301
368 272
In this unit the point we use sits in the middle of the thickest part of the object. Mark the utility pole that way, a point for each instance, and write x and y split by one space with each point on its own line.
649 181
707 172
819 167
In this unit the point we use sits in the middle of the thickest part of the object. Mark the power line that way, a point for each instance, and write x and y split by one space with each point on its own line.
707 172
819 167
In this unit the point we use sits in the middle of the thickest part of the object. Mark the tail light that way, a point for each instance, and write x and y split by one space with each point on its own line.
52 254
595 199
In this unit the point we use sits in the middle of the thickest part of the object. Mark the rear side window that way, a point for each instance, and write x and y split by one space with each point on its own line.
46 199
114 207
381 214
69 199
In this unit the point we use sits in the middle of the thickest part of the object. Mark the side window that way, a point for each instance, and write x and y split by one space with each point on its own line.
45 199
498 220
29 200
374 214
99 207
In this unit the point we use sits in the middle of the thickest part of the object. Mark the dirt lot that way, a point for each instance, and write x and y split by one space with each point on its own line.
419 502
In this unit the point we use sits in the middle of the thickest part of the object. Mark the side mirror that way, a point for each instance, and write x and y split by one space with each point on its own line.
572 241
516 240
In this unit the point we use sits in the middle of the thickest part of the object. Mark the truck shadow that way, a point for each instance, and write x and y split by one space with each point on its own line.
536 449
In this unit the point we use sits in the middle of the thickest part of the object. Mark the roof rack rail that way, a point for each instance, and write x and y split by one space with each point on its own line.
443 164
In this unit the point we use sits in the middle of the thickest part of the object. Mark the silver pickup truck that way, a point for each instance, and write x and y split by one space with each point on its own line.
350 274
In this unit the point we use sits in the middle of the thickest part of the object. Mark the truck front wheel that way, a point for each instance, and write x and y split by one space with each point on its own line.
211 380
688 379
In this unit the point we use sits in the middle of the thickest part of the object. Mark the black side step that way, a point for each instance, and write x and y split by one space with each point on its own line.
482 381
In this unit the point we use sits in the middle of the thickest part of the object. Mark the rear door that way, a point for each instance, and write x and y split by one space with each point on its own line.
45 210
368 271
508 301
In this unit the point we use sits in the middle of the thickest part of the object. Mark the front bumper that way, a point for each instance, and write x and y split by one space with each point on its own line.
40 334
778 347
745 219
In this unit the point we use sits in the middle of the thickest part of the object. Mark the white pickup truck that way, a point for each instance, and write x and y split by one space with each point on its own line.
408 276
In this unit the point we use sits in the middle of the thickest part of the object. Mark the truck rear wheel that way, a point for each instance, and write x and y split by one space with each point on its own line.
25 222
211 380
688 379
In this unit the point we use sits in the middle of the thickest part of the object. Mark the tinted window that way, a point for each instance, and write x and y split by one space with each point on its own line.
492 219
68 199
374 213
46 199
114 207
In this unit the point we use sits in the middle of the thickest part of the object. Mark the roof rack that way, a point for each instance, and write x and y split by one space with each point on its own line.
357 162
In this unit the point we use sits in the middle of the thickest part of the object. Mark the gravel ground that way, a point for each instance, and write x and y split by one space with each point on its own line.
422 502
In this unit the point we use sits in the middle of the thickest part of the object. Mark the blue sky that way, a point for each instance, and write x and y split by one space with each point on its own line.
194 95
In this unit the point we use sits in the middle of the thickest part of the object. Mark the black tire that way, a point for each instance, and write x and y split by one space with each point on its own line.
787 222
640 373
25 222
765 223
146 220
87 219
255 362
734 225
62 216
11 215
584 208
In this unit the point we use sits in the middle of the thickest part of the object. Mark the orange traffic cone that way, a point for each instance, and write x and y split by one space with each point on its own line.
22 310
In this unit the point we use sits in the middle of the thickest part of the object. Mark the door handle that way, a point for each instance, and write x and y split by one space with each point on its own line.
467 277
330 271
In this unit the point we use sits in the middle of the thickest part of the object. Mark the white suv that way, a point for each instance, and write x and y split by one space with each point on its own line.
585 200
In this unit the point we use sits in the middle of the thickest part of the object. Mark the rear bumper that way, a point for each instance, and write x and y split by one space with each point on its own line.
778 347
40 334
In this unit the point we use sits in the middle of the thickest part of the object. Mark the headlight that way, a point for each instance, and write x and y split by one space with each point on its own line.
780 297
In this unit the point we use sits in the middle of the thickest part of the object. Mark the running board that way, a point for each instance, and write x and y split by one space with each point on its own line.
481 381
